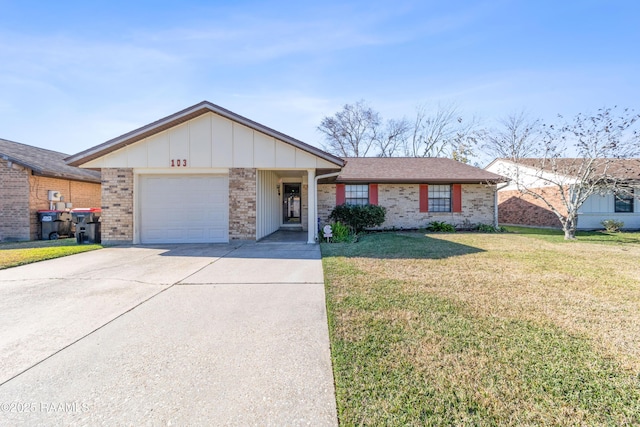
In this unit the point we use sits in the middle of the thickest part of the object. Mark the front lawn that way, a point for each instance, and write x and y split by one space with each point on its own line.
484 329
600 236
14 254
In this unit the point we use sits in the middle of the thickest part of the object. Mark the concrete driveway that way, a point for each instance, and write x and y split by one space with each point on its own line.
172 335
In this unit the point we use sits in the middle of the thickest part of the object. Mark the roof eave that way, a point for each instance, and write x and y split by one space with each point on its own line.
21 163
50 174
421 181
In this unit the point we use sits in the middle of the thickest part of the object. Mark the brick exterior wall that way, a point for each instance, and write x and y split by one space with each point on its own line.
402 202
80 194
117 206
22 195
242 203
326 202
14 202
521 209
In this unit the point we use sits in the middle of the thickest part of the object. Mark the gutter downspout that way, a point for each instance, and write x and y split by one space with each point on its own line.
315 200
495 204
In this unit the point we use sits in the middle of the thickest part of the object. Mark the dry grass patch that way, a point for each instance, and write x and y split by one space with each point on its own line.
484 329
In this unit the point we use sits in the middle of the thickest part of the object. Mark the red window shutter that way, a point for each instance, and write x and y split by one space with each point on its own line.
457 197
373 194
424 198
340 196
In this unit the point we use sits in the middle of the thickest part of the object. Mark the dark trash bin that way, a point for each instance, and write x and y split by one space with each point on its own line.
54 224
87 224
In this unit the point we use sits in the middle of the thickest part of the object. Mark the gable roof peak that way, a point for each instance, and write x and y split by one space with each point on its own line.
185 115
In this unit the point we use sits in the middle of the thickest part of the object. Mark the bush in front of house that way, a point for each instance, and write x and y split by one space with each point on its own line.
612 225
359 217
341 232
441 227
488 228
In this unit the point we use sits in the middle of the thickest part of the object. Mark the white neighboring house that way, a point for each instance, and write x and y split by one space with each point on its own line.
517 208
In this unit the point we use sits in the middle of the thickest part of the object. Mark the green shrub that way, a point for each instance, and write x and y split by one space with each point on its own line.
612 225
441 227
488 228
341 232
359 217
466 225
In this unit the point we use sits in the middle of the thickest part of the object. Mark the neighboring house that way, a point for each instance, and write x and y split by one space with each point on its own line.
27 174
206 174
517 208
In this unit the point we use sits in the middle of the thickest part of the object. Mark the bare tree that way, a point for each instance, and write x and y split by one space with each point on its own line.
442 133
392 141
603 144
351 132
516 137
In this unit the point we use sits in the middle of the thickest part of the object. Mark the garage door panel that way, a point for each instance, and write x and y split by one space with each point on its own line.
184 209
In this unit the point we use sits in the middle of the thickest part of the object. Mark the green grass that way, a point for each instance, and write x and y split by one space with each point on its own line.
553 235
19 253
484 329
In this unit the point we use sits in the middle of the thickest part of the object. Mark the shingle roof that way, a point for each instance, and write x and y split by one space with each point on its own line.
413 170
623 169
186 115
44 162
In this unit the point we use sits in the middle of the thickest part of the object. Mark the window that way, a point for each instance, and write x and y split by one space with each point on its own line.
356 194
624 200
439 198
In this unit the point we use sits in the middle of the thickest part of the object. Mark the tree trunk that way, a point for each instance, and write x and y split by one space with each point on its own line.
569 234
569 226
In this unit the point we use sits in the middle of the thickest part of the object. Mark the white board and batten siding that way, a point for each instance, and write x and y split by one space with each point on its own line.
210 141
599 207
268 204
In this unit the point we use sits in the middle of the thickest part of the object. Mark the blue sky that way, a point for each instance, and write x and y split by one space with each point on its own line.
75 74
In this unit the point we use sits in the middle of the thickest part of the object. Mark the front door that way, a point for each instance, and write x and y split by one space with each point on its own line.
291 207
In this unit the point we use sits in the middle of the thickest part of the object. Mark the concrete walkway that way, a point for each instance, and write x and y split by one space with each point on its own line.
175 335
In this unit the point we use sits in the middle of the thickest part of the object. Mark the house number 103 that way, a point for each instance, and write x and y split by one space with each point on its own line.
178 162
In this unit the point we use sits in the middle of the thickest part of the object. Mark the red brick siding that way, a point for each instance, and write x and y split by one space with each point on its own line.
80 194
517 208
14 202
117 205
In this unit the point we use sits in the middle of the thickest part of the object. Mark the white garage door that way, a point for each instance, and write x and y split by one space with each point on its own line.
184 209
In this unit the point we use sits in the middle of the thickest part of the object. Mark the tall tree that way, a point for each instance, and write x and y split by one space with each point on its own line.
351 132
392 140
516 136
442 133
572 160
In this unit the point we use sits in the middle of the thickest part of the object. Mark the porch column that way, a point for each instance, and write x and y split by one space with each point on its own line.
312 222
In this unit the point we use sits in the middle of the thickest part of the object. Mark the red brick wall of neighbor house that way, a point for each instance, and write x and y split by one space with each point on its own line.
242 203
81 194
517 208
402 202
14 202
117 205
